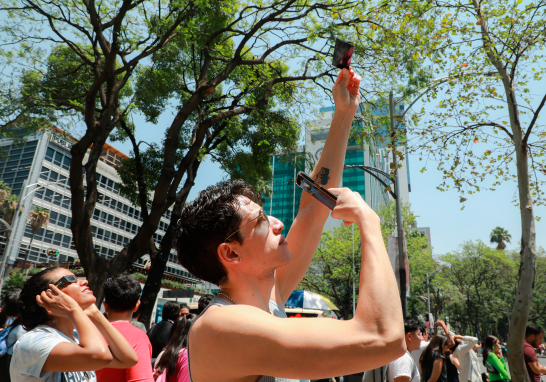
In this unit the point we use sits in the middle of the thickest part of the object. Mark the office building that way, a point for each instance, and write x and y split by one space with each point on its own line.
38 172
284 202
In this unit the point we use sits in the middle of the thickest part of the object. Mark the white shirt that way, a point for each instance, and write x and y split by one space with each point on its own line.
416 354
470 367
30 354
404 367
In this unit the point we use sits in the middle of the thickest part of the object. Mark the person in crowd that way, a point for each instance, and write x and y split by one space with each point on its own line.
452 363
15 331
226 238
172 363
159 334
204 301
466 355
533 339
121 300
184 309
494 361
432 366
135 322
68 337
416 354
404 369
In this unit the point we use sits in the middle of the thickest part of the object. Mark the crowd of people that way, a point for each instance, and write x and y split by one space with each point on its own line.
454 358
55 333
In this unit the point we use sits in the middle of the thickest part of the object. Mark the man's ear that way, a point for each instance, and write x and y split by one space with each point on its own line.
227 253
136 306
105 306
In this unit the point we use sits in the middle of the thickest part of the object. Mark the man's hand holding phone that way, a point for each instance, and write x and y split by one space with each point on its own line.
350 208
346 91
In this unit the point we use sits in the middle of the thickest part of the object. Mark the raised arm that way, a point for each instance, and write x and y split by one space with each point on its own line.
306 230
469 344
309 348
92 353
442 324
124 356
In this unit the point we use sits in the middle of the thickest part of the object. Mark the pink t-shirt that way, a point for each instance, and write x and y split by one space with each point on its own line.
181 372
142 371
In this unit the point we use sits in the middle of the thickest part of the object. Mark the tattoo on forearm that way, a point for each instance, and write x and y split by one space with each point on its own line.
323 175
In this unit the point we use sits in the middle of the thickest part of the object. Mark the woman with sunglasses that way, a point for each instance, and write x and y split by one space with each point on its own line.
68 337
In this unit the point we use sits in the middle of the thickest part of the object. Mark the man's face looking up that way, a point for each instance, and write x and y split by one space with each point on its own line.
535 339
264 248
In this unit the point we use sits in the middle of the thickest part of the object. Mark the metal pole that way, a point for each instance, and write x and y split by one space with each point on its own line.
354 305
272 187
428 303
402 269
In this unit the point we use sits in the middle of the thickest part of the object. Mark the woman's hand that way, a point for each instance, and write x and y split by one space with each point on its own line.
346 91
498 350
56 302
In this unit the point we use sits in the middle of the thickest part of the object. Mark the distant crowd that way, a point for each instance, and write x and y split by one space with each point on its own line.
454 358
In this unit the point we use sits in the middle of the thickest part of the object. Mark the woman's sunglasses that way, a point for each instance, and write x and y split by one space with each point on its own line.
65 280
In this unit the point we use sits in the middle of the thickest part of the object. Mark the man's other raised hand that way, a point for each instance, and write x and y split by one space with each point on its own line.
346 91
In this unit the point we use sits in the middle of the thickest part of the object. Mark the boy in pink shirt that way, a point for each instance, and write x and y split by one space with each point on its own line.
121 299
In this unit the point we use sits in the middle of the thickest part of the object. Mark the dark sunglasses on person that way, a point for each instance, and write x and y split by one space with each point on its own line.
65 280
262 216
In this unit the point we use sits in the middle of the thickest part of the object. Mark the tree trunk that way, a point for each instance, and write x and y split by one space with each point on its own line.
524 293
155 274
159 260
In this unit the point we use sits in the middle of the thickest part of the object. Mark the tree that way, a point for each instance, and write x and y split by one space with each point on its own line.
487 54
331 271
16 280
8 202
500 235
216 61
36 219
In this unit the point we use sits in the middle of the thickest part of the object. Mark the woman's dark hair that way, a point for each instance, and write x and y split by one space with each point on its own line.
33 314
171 311
177 341
206 223
12 307
488 344
434 347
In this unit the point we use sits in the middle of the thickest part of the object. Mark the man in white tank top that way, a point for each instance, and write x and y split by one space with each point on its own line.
224 237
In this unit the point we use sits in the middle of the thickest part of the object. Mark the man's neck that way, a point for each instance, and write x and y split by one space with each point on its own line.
120 316
250 291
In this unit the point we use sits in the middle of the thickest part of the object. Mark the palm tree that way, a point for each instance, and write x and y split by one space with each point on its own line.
36 218
500 235
8 202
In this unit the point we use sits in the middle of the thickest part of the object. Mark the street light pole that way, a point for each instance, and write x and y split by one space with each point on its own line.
401 257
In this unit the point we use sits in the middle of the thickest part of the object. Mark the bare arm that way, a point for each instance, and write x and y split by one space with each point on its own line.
315 347
442 324
436 370
124 356
91 353
306 230
537 367
402 379
470 342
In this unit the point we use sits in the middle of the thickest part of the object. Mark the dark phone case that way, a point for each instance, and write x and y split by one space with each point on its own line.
343 52
316 190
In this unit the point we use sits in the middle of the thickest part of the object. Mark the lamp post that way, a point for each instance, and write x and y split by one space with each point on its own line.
395 195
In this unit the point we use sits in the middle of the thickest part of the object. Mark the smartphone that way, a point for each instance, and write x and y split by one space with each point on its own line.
316 190
343 52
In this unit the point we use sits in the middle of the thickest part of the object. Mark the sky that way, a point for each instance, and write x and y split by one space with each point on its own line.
441 211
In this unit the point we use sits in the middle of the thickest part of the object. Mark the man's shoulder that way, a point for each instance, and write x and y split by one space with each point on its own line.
131 333
405 360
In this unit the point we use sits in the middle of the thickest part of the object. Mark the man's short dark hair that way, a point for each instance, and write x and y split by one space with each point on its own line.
121 293
533 328
206 223
182 306
204 302
171 311
11 306
411 324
